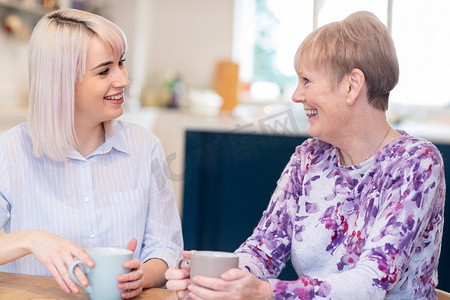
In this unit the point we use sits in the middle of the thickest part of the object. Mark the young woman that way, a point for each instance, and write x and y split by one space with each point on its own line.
73 177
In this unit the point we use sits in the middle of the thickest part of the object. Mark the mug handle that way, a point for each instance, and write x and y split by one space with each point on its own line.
183 261
85 270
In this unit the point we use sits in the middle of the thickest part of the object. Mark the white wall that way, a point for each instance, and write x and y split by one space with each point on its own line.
185 36
189 36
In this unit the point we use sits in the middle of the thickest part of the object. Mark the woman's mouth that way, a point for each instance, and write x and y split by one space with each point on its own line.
116 99
310 112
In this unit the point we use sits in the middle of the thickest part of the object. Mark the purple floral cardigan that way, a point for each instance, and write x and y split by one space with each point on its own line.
369 231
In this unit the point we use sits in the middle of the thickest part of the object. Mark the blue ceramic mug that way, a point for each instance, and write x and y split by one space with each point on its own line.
103 283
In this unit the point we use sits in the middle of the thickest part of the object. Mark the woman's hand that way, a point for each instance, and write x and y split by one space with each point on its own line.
178 279
234 284
56 253
132 283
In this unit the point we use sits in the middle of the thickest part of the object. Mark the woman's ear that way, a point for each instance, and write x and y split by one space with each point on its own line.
355 84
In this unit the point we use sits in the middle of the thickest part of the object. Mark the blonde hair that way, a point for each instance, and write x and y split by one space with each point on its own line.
360 41
56 61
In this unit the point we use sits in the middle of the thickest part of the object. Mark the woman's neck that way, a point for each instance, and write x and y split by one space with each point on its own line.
365 138
89 138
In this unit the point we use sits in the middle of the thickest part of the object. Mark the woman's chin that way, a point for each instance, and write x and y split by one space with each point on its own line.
117 113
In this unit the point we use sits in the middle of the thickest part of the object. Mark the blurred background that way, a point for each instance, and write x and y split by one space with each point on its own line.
178 44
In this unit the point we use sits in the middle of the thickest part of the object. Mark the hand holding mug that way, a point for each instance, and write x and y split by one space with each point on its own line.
115 274
132 282
103 277
209 264
178 278
233 284
55 253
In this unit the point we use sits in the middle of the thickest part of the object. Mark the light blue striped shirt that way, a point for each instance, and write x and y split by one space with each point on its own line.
120 191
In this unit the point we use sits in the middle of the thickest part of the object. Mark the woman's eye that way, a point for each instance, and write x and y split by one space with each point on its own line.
104 72
122 61
305 80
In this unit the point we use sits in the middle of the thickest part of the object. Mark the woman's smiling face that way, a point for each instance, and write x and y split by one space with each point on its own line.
323 102
99 96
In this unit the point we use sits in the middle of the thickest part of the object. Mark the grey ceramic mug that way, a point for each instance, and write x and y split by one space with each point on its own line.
211 263
103 284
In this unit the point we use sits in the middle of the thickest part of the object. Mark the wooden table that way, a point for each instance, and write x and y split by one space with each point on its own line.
21 287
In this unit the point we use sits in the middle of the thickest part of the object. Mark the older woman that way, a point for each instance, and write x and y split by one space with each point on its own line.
359 207
73 177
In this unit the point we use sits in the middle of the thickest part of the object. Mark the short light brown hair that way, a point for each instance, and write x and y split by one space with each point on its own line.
360 41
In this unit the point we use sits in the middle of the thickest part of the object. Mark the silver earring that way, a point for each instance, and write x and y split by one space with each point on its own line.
348 101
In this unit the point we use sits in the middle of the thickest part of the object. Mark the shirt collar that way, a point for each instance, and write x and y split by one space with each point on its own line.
116 141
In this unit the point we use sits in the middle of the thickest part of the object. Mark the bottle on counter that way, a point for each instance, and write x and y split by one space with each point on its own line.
178 92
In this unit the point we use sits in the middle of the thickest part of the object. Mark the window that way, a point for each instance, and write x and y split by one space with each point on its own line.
421 31
268 33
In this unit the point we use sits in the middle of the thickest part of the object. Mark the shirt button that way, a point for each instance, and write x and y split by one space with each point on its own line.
87 199
92 235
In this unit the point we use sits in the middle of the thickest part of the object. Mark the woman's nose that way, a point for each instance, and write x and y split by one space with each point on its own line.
122 79
298 96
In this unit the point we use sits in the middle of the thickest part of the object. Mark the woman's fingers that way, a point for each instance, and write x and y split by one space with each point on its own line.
211 283
81 255
68 257
56 254
238 284
131 276
177 285
134 279
132 264
132 282
58 268
131 285
52 269
187 254
234 274
81 276
183 295
198 292
61 268
132 244
131 293
175 273
178 278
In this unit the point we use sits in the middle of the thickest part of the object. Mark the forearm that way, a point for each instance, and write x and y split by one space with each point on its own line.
14 246
154 270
